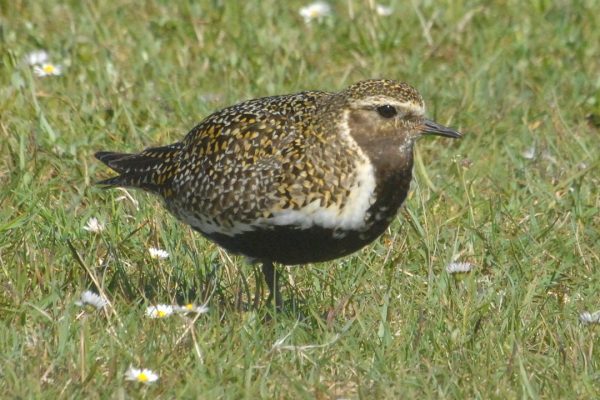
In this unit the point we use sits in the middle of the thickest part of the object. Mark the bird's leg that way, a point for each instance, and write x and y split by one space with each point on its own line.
272 280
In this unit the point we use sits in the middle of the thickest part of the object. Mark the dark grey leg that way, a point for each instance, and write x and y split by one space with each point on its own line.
272 280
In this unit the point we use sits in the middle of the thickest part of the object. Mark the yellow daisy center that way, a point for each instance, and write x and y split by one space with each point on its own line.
161 313
49 68
142 377
189 306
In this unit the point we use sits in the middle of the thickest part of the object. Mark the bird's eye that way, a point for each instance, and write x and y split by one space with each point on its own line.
387 111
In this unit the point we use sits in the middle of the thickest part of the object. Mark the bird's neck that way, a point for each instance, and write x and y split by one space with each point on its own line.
390 159
393 172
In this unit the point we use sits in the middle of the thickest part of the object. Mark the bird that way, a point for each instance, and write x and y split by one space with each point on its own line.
289 179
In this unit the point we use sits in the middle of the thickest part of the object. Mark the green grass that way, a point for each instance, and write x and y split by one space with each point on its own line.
387 322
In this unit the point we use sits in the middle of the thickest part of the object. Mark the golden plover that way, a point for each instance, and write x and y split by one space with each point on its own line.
290 179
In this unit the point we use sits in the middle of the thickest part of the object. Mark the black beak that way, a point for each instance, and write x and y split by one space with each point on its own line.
433 128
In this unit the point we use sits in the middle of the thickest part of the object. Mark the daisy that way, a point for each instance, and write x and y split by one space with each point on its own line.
458 267
159 311
89 298
529 153
141 375
383 11
92 225
590 318
47 69
191 308
157 253
317 10
36 57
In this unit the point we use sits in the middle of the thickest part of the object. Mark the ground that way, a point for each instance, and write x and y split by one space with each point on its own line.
517 198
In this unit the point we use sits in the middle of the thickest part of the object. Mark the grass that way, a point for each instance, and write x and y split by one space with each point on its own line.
387 322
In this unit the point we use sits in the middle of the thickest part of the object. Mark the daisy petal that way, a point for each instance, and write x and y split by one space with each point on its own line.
383 11
144 375
317 10
89 298
47 69
92 225
459 267
36 57
587 317
191 308
158 253
159 311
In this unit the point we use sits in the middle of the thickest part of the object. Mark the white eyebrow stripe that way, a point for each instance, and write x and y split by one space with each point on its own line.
375 101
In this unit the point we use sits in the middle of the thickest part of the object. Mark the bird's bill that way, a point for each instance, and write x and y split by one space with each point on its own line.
433 128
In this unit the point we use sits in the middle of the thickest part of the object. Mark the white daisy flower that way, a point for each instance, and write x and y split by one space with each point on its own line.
590 318
191 308
317 10
159 311
529 153
89 298
36 57
458 267
47 69
383 11
158 253
144 375
92 225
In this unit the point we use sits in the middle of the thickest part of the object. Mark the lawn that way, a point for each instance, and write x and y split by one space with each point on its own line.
518 198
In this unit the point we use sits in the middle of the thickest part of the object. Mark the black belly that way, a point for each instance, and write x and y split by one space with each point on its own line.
289 245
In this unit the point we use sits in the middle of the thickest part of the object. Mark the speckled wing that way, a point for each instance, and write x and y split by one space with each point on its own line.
241 164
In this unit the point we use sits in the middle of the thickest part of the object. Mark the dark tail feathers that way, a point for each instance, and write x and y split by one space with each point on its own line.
151 170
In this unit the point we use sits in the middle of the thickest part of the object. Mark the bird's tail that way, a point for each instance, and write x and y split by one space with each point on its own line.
151 170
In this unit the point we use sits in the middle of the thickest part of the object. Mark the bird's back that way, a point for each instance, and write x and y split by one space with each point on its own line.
259 163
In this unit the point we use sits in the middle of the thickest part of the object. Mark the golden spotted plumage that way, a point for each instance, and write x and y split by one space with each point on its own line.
293 179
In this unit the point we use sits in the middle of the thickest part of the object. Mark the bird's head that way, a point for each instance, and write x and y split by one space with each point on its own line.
380 113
